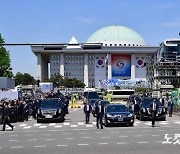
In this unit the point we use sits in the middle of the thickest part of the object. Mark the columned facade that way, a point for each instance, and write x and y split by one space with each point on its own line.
109 66
133 66
86 80
62 64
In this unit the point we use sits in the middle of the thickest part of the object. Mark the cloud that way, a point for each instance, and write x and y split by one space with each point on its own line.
86 20
172 24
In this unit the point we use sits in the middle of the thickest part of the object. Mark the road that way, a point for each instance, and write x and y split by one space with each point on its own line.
75 137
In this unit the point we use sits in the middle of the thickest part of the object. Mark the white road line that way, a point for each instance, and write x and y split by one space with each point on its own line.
13 140
69 138
142 142
13 135
65 133
16 147
123 136
73 125
177 122
66 124
160 130
52 124
155 135
22 125
27 127
87 137
160 142
47 134
58 126
37 125
137 122
137 135
82 144
94 123
98 132
102 143
122 143
50 139
82 133
40 146
163 123
146 131
89 125
114 132
80 123
148 123
42 126
62 145
0 147
31 139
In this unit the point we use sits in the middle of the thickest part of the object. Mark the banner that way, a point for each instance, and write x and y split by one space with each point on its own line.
121 65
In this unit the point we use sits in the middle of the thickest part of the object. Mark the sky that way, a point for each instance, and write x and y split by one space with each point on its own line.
56 21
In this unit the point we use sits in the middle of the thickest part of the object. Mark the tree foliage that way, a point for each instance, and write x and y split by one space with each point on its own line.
24 79
5 62
59 81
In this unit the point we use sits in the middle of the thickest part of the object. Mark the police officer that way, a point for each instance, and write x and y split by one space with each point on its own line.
6 118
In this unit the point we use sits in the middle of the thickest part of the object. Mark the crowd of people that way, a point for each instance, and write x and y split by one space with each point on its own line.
20 110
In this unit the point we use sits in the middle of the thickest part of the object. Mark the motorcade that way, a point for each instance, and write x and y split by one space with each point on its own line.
118 114
103 103
90 95
145 111
51 110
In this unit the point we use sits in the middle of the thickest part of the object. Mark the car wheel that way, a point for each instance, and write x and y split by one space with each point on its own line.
39 121
164 118
131 124
141 117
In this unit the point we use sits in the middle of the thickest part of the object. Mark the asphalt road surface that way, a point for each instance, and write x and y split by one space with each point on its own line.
75 137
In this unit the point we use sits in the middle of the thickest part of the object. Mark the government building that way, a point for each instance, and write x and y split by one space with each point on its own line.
113 52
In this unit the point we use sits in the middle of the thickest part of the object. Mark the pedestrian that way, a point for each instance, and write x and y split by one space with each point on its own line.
154 109
170 107
99 111
166 105
87 111
6 117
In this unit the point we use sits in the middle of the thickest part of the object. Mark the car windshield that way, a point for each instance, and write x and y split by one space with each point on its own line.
93 95
117 108
50 104
147 102
103 103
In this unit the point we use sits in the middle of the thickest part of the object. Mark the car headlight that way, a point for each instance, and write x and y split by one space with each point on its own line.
59 111
144 110
109 116
130 115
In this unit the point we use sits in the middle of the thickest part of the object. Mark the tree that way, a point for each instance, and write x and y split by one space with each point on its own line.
5 62
25 79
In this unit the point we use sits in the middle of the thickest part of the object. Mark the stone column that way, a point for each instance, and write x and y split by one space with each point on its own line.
86 80
109 66
133 73
62 64
39 66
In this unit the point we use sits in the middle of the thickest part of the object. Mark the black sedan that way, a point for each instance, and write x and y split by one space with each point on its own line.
144 110
118 114
51 110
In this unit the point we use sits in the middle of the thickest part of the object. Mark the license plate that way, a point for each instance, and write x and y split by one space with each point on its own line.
120 119
48 116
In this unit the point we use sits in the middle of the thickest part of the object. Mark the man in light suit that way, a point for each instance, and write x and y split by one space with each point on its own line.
99 110
87 111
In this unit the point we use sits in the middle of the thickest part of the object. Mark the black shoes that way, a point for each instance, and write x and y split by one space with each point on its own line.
3 130
12 128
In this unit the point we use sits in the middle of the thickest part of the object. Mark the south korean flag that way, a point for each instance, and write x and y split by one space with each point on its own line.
100 62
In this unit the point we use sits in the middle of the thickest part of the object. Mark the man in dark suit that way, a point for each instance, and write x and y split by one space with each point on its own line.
170 107
6 118
154 109
99 110
87 111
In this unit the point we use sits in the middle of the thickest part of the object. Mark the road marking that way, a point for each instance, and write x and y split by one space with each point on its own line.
16 147
40 146
160 130
73 125
102 143
155 135
62 145
177 122
123 136
65 133
94 123
31 139
42 126
13 140
146 131
81 123
58 126
69 138
142 142
37 125
13 135
163 123
52 124
0 147
47 134
50 139
66 124
82 144
98 132
122 143
89 125
87 137
83 133
22 125
159 142
148 123
26 127
30 135
105 137
114 132
137 122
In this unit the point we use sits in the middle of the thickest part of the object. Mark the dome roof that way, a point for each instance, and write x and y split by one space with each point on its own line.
117 36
